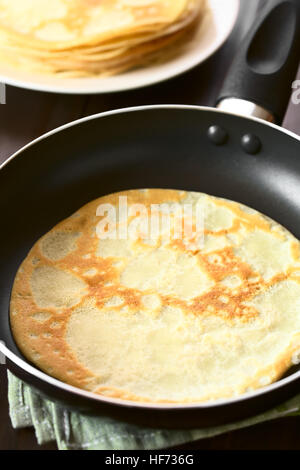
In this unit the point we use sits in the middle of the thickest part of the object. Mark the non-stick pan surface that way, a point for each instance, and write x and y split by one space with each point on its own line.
153 147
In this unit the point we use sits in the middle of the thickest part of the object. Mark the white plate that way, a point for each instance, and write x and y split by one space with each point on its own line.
211 35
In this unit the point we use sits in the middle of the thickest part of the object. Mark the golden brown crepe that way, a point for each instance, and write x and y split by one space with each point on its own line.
161 318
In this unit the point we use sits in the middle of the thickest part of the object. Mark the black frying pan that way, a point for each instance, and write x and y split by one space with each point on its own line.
182 147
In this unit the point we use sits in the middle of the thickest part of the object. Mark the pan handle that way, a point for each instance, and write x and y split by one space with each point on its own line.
260 79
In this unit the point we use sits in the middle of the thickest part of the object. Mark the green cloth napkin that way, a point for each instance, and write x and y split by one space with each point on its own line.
75 431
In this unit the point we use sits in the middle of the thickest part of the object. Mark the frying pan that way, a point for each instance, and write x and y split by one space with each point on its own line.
185 147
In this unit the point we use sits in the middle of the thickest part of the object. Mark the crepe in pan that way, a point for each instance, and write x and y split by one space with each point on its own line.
159 318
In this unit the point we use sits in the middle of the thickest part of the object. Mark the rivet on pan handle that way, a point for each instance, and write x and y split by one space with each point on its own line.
260 79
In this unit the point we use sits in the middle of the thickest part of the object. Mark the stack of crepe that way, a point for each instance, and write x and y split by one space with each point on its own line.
93 37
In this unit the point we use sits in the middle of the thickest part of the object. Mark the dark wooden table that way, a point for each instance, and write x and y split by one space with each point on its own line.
29 114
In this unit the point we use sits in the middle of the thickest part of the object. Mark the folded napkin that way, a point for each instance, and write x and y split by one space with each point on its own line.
75 431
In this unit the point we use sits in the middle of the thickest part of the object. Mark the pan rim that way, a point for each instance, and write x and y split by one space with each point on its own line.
104 114
128 403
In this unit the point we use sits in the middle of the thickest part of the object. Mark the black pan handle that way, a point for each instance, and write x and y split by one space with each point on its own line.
266 64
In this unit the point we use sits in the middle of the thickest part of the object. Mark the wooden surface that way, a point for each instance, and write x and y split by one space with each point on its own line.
29 114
